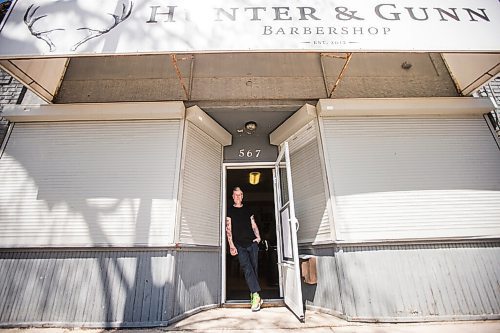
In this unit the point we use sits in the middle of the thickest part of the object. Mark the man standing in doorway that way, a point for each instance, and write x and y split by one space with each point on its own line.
243 238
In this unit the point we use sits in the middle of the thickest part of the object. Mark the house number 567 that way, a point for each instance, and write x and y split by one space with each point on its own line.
250 153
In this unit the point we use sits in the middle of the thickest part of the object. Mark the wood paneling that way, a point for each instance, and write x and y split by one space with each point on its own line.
105 288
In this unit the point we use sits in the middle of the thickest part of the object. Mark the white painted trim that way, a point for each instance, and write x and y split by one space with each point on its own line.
94 111
414 241
362 107
298 120
180 174
223 235
250 165
324 173
278 230
331 198
202 120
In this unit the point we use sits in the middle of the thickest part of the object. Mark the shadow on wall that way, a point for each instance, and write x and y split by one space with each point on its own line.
420 281
92 189
408 282
309 194
411 154
109 288
90 185
72 287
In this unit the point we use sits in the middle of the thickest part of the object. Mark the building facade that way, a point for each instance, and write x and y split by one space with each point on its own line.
376 170
11 92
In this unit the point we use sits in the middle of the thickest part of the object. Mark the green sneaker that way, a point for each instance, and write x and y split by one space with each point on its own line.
256 302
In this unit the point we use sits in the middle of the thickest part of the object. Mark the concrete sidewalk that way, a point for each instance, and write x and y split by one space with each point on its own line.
231 320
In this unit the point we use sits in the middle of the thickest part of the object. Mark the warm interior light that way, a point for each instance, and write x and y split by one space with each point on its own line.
254 178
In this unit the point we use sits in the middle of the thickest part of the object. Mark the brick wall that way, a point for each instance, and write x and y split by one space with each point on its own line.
492 89
10 92
10 89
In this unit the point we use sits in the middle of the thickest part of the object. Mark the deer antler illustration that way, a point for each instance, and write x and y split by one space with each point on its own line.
43 35
94 33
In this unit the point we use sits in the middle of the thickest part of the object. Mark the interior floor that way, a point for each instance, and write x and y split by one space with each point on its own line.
260 199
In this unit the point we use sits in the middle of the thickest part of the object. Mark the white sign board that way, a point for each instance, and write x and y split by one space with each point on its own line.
86 27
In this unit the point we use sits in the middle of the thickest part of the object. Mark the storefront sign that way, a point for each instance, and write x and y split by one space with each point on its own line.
94 27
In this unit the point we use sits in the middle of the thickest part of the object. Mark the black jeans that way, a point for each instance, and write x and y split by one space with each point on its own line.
248 257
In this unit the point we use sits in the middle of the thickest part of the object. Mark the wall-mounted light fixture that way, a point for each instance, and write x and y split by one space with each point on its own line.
406 65
250 126
254 178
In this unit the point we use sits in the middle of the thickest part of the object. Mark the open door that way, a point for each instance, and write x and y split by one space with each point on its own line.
287 227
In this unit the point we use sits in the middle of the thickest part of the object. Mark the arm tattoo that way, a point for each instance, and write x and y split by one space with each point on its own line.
229 233
254 227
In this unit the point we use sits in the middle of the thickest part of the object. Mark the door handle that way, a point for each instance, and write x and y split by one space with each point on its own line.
297 225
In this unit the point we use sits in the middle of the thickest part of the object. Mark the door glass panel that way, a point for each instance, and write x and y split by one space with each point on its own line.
283 182
286 245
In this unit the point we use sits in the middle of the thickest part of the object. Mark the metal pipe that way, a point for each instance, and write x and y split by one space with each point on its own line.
191 73
325 80
349 56
179 76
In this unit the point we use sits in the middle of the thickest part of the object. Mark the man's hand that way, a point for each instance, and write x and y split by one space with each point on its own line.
257 240
233 250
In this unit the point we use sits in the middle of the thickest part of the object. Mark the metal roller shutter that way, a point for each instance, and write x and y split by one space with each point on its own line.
413 177
109 183
308 184
201 185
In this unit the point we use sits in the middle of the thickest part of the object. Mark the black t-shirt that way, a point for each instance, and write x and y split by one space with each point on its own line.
241 225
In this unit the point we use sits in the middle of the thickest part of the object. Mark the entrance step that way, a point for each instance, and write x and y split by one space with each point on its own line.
268 303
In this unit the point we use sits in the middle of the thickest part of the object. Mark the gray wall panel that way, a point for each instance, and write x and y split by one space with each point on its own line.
411 282
326 293
105 288
198 280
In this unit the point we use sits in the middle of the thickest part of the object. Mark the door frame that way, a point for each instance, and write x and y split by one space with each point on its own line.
225 167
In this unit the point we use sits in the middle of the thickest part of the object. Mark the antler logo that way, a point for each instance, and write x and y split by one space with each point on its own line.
30 19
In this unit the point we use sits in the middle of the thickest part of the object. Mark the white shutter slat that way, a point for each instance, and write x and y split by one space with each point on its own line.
106 183
413 177
200 203
308 185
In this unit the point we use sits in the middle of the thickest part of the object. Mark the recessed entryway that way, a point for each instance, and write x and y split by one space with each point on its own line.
260 199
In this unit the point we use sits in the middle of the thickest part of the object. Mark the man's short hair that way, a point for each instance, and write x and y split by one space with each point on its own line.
237 189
